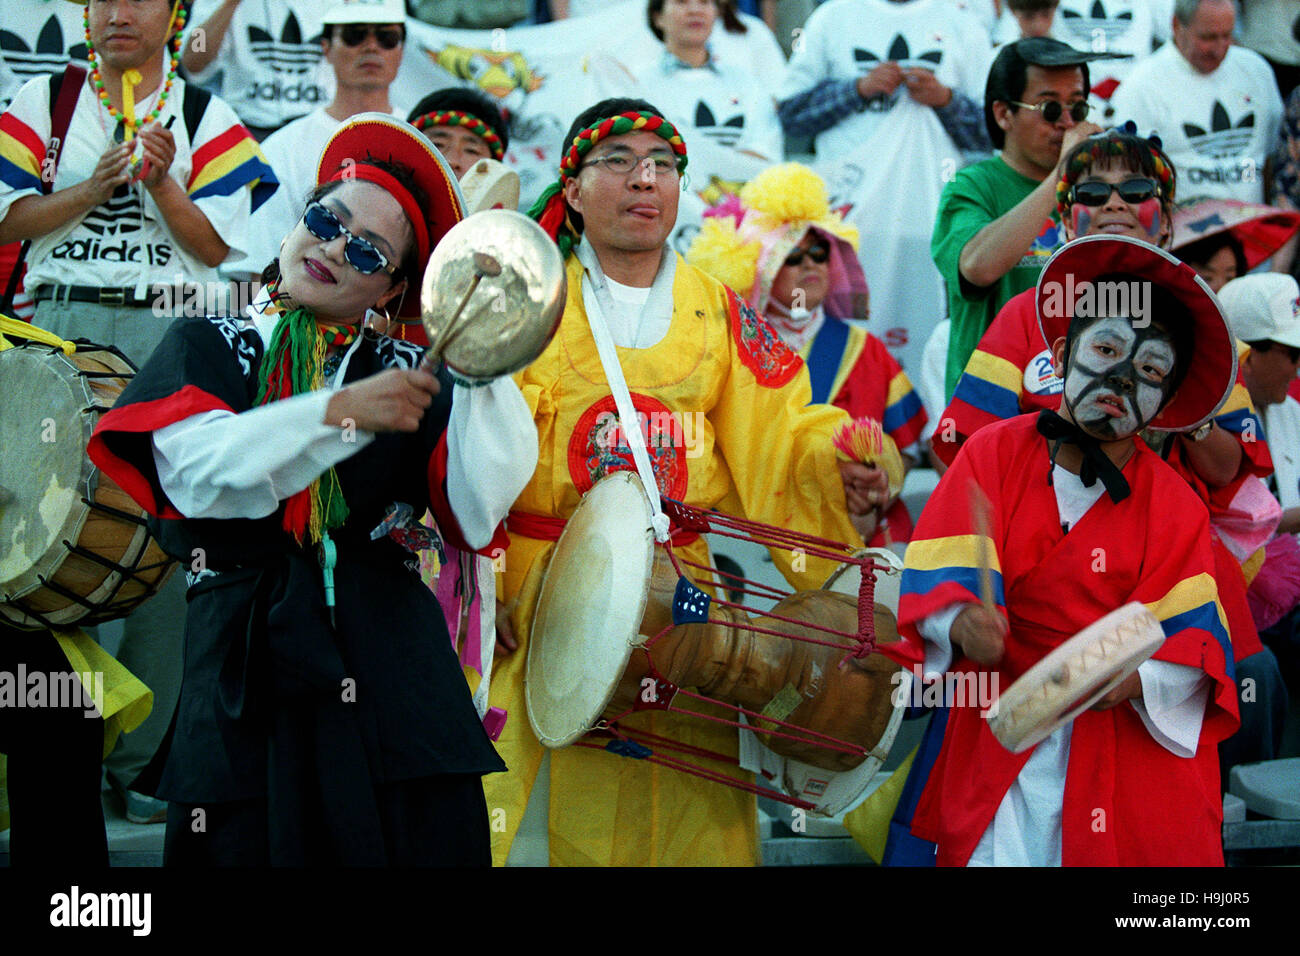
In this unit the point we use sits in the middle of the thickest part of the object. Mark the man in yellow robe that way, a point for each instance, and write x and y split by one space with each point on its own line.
724 406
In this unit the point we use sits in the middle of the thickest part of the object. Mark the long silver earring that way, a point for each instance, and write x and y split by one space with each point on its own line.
378 322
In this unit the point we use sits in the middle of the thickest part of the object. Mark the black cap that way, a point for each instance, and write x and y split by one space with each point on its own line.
1006 79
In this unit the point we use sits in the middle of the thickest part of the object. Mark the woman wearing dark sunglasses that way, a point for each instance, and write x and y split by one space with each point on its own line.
324 717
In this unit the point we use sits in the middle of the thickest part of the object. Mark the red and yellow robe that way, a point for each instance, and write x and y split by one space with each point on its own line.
1128 801
747 442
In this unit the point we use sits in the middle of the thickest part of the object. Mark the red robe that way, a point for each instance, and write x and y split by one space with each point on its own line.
1156 808
867 382
1010 373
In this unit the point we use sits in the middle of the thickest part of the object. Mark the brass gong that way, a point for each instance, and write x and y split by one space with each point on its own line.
492 295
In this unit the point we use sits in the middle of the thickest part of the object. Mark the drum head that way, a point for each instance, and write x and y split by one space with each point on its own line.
45 423
589 609
1075 676
847 578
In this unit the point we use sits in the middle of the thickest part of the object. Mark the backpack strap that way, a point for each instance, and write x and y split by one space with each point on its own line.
192 109
65 89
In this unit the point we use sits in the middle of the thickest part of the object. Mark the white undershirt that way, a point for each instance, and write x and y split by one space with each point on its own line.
1026 829
630 328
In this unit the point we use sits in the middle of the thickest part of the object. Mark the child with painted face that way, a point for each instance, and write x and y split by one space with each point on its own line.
1117 184
1082 519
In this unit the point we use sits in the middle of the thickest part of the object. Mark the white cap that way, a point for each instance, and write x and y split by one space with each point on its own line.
1263 306
365 11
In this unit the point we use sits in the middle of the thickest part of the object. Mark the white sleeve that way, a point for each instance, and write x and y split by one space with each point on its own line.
938 645
21 178
1173 704
491 455
199 16
217 464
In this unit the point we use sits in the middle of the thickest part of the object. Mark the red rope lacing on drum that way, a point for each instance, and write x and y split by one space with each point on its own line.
694 521
717 776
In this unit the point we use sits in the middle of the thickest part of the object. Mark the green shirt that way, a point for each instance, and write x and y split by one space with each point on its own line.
976 196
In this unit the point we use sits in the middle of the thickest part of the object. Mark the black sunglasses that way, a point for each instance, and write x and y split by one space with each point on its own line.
1052 109
1097 193
360 253
818 253
354 34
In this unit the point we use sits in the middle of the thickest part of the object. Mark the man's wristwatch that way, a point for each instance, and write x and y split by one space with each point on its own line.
1200 434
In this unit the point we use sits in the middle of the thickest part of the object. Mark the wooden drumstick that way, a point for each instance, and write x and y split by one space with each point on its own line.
979 509
485 266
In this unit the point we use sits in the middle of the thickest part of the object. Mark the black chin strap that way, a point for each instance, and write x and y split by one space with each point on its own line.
1096 464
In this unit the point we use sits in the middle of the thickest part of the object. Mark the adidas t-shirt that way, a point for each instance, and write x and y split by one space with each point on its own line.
727 106
36 38
1113 26
125 242
845 39
270 60
1218 129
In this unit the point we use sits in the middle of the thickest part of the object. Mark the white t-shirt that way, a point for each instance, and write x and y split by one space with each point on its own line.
38 38
1268 27
1218 128
125 242
270 60
720 104
293 153
845 39
1282 431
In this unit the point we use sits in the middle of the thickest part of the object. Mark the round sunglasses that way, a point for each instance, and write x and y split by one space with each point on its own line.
1052 109
360 253
818 253
354 34
1097 193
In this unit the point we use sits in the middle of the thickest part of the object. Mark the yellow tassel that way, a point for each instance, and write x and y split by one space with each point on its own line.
718 250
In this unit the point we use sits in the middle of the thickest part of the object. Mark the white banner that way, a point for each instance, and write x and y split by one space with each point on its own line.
544 75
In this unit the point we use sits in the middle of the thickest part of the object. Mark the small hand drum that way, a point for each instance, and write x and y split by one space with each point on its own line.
1075 676
489 184
492 295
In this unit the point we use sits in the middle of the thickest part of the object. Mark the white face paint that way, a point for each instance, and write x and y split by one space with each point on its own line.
1118 377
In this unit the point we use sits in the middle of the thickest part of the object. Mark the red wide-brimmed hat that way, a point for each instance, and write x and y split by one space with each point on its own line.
381 136
1213 368
1261 230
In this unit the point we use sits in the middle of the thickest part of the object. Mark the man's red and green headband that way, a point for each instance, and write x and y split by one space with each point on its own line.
550 210
467 120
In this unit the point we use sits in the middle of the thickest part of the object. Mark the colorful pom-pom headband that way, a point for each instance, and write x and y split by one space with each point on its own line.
1108 144
550 212
470 122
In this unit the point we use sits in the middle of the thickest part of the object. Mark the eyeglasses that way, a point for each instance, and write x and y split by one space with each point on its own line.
1052 109
354 34
1094 192
818 253
622 162
360 253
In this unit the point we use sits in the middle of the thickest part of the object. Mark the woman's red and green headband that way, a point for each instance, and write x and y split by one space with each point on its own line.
550 210
467 120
